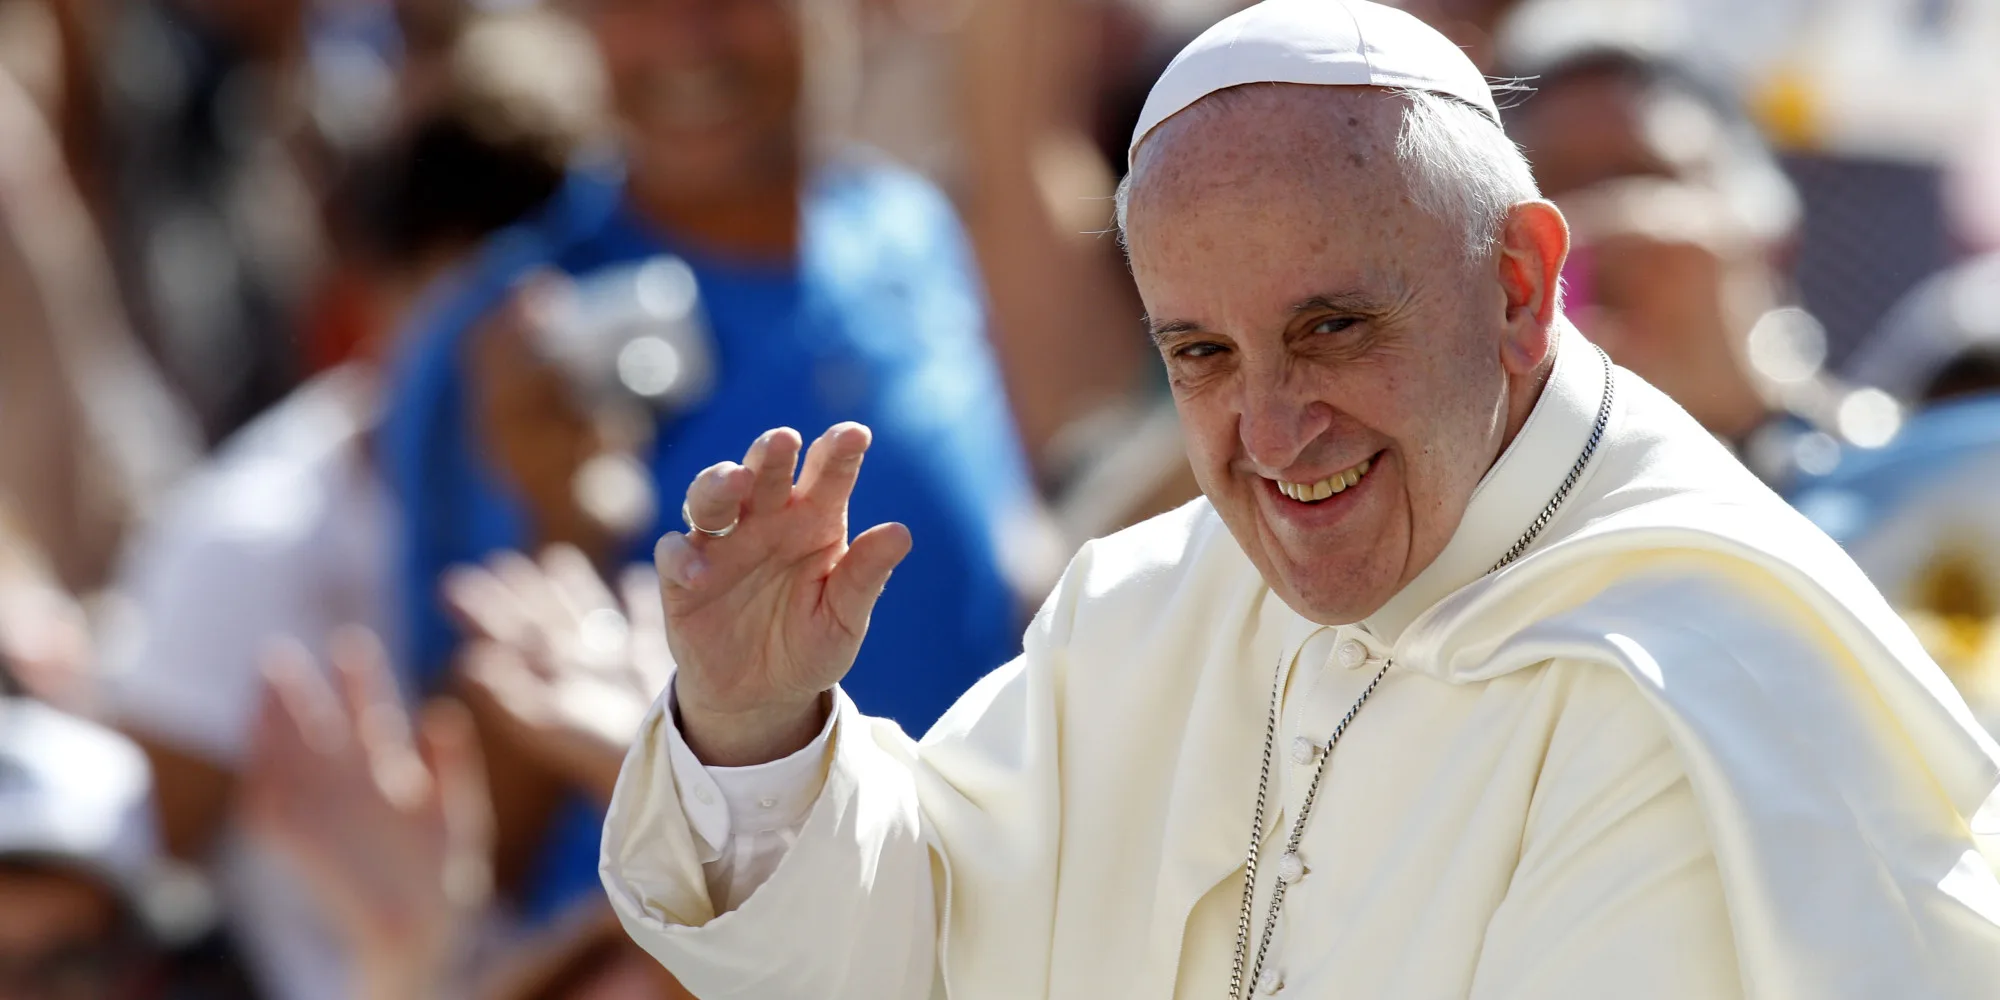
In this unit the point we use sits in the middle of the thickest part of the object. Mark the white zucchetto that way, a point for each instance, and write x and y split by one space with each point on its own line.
1335 43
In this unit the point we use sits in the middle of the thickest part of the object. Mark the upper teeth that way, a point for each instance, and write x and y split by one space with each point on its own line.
1327 487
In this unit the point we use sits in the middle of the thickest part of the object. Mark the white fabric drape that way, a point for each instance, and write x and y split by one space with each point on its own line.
1680 749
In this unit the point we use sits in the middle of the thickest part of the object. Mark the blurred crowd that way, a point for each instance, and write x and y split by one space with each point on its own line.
354 352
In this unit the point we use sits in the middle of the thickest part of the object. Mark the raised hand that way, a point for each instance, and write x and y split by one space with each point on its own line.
569 669
391 829
766 608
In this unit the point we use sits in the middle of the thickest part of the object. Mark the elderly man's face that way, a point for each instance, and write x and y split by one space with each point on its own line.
1323 333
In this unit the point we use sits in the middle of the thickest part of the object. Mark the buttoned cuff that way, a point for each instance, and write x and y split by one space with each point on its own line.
725 802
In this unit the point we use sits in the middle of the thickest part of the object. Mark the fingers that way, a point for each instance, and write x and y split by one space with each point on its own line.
367 690
498 674
449 747
535 595
575 580
297 713
680 567
773 459
717 497
296 732
375 709
857 580
833 464
483 605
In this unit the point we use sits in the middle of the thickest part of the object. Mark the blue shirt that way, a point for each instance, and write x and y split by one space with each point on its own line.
879 319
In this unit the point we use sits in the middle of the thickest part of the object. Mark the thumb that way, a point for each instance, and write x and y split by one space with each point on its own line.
857 580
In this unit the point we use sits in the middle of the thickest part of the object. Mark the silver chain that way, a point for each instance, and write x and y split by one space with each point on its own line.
1325 752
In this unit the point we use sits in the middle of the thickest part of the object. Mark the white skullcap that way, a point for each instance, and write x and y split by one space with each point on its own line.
75 791
1333 43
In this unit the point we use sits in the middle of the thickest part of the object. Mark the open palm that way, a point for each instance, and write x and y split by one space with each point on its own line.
388 822
765 620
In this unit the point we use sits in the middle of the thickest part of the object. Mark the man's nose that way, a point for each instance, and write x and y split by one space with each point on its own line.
1280 419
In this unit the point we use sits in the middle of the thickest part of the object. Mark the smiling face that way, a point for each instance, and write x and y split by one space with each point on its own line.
1322 331
708 90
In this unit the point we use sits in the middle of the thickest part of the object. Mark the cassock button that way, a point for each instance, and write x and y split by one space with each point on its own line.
1352 653
1303 750
1291 867
1270 982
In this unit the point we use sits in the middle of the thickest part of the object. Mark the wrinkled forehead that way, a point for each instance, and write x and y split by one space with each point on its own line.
1316 147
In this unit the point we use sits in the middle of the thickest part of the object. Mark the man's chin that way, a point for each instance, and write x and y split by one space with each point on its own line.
1329 602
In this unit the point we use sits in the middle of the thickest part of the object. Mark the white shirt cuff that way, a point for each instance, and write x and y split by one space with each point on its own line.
725 802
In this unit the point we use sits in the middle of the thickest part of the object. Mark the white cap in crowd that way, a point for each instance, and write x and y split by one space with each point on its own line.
76 794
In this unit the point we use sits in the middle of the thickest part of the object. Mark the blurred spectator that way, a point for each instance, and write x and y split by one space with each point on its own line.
211 206
594 959
1036 196
1919 518
290 529
1473 24
392 825
1021 110
1036 186
387 823
92 435
76 849
1870 101
45 647
87 910
569 669
1682 225
826 285
1942 341
1918 514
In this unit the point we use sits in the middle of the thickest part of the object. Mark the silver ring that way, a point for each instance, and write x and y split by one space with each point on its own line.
688 519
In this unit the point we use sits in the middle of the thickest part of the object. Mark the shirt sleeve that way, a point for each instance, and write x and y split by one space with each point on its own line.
1617 891
744 819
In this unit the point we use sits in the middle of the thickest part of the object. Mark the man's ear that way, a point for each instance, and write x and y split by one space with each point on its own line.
1534 242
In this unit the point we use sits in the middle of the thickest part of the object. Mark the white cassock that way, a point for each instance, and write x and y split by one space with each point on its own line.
1680 749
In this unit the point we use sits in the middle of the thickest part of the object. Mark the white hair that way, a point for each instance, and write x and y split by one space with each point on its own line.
1460 165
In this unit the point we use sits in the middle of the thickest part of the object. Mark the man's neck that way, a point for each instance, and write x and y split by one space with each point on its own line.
755 220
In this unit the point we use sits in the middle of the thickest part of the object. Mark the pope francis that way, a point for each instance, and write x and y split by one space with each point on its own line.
1479 671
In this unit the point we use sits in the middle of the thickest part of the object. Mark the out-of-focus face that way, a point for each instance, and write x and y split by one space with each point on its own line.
1470 24
1670 292
708 90
1667 280
1319 327
59 939
1590 127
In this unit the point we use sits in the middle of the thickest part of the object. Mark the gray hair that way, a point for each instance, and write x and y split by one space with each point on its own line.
1460 165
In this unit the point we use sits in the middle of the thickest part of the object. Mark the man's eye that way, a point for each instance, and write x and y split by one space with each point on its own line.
1198 351
1334 324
